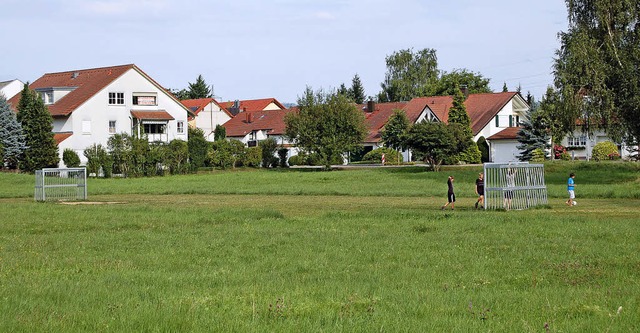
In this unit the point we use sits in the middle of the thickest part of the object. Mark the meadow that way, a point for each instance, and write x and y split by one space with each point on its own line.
306 251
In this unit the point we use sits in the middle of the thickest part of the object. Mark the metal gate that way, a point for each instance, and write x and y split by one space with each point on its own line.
61 184
517 185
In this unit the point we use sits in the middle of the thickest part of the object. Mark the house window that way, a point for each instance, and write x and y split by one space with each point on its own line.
86 126
517 120
580 141
155 128
144 99
112 126
116 98
180 127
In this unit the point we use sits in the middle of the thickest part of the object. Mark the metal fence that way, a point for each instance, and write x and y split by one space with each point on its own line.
517 185
61 184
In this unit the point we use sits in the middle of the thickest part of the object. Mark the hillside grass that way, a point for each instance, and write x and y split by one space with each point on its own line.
291 251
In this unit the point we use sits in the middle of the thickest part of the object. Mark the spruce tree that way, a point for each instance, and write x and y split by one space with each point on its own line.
458 115
37 125
12 138
356 91
199 89
533 135
504 88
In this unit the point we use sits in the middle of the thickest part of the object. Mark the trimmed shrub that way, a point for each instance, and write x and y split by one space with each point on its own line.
537 155
391 156
269 147
297 160
70 158
253 157
604 150
484 149
282 155
471 155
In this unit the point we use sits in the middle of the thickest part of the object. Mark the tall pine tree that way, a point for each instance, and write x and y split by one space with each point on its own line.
37 124
356 91
199 89
12 138
458 115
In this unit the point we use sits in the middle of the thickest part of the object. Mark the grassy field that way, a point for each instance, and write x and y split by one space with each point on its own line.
342 251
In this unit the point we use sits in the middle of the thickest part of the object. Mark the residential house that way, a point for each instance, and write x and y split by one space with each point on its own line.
490 113
90 105
264 104
251 127
11 88
207 114
580 143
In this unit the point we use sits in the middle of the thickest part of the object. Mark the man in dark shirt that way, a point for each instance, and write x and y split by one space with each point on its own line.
451 197
480 190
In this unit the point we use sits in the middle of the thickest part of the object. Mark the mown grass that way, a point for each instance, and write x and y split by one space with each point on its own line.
261 257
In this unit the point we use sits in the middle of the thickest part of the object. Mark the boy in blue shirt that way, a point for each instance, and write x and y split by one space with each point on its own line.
570 186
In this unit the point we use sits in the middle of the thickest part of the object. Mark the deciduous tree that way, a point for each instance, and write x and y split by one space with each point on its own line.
409 74
449 83
598 65
433 142
327 124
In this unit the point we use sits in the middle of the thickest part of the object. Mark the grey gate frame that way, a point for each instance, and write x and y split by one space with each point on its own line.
61 184
525 190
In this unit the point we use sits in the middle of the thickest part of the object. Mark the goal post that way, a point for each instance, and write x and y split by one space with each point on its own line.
515 185
61 184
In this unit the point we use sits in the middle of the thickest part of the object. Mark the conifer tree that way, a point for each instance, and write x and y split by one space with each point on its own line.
504 88
356 91
533 134
37 125
12 138
199 89
458 115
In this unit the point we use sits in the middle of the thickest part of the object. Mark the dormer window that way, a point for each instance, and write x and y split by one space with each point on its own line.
116 98
47 97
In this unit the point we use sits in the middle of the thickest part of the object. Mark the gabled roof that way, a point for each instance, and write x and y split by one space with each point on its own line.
483 107
85 83
376 119
246 122
508 133
439 105
253 104
197 105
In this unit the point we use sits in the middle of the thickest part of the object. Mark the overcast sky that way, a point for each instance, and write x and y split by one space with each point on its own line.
274 48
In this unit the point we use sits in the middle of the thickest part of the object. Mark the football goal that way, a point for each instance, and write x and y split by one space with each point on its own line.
61 184
516 185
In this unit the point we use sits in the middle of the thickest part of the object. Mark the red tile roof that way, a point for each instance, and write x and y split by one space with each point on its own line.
253 104
197 105
85 83
508 133
483 107
378 118
61 136
151 115
246 122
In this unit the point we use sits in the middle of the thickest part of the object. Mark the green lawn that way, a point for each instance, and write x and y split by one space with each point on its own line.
342 251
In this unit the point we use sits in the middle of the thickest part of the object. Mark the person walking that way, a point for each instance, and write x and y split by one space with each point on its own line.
451 196
511 183
480 190
570 186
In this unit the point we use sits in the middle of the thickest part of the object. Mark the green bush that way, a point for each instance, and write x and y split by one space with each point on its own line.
70 158
391 156
297 160
604 150
198 148
98 158
471 155
282 155
565 156
269 147
253 157
484 149
177 156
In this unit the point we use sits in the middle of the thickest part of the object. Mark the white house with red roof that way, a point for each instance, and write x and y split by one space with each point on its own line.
206 115
262 104
490 113
90 105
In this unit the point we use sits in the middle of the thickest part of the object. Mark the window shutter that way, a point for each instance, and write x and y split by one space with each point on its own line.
510 121
497 121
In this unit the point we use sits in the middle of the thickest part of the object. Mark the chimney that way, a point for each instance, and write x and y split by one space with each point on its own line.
249 117
244 109
371 106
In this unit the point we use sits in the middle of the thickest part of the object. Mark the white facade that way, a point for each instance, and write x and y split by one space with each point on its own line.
503 151
580 145
208 118
508 116
11 88
96 120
